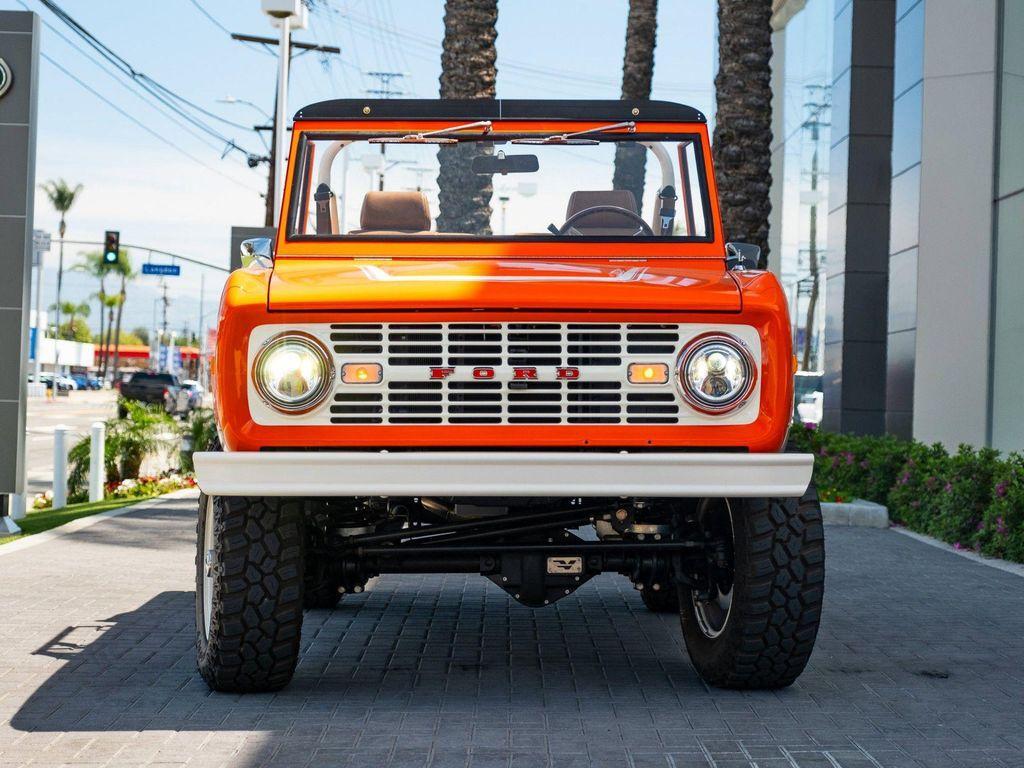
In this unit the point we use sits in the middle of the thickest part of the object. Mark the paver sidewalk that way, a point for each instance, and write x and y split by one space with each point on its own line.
920 662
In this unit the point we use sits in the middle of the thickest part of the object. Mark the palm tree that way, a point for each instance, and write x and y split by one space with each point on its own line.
637 72
73 310
95 266
62 196
111 301
468 71
743 120
123 269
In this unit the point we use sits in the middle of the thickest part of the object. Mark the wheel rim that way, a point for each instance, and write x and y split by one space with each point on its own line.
208 559
713 614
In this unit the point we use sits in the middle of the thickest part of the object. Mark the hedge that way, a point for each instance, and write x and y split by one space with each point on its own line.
973 498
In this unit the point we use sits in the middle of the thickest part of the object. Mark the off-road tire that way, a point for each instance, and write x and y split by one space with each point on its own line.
664 600
779 579
257 586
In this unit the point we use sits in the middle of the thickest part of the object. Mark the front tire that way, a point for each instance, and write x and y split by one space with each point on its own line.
758 626
249 585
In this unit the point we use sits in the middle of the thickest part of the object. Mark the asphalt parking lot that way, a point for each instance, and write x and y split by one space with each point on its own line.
78 411
920 662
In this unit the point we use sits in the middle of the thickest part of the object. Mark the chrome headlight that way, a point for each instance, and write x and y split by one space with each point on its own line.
293 372
716 373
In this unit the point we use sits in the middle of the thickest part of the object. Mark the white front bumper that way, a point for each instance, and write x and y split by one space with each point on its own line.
502 473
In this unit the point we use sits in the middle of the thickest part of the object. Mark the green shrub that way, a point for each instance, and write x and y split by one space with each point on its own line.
913 498
1001 531
971 499
965 495
128 442
199 434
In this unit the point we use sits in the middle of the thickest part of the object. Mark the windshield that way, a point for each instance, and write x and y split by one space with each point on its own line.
606 185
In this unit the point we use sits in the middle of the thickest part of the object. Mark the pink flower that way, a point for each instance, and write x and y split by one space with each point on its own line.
949 488
956 546
1001 489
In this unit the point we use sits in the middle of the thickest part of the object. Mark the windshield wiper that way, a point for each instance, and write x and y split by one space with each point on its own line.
569 138
432 137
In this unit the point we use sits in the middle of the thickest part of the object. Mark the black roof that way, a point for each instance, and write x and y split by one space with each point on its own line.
500 109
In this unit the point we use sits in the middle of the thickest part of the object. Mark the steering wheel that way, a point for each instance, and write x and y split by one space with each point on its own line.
645 228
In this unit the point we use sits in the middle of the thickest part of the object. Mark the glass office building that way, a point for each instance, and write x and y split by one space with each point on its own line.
920 104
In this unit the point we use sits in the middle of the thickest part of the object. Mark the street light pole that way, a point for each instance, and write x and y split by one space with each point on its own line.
279 118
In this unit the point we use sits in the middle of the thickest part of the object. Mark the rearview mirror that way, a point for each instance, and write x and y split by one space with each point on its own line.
503 164
258 251
740 256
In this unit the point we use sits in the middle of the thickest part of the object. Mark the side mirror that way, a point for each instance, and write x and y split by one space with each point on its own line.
258 251
741 256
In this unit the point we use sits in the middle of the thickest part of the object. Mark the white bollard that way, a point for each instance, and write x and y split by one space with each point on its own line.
97 463
60 466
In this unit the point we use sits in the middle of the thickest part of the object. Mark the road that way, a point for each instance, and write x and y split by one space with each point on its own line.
918 663
78 410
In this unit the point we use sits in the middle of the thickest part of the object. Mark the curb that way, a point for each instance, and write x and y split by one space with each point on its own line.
1017 569
858 513
91 520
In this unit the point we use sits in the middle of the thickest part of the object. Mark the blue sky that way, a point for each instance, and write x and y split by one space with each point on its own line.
179 195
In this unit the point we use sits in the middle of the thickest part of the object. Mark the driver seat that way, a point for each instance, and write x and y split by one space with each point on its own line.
605 222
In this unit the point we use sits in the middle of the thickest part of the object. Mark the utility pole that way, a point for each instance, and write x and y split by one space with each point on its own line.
163 329
302 48
813 123
385 91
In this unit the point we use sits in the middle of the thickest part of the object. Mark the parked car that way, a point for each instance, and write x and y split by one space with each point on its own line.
196 392
414 394
153 387
64 384
84 381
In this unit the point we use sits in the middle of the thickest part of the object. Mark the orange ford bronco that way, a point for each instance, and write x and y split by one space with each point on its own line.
505 338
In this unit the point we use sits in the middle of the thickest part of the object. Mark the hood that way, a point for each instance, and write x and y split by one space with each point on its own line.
311 284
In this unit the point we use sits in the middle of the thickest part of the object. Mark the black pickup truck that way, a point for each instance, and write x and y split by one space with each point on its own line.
151 387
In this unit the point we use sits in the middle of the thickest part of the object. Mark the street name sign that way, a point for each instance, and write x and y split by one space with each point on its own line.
167 270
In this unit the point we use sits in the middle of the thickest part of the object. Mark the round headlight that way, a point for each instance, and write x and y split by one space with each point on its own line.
716 373
293 372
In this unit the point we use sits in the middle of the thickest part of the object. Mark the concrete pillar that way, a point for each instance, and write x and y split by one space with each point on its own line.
60 466
858 225
97 463
952 363
19 49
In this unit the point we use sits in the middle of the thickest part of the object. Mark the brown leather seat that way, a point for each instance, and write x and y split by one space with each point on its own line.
394 212
605 222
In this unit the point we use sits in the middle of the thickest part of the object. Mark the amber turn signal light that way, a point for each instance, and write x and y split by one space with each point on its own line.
648 373
362 373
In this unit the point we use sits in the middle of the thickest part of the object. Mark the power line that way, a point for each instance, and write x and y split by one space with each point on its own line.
141 125
128 87
162 93
209 17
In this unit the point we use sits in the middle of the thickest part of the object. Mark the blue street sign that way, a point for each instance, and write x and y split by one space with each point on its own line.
168 270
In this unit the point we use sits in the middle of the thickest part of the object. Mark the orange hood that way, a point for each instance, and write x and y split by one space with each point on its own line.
417 284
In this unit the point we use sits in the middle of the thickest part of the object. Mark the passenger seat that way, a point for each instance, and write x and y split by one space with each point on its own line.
394 213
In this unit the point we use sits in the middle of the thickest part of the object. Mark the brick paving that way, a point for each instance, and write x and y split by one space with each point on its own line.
920 663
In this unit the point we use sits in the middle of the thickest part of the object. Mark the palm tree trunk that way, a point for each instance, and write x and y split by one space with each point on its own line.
109 341
637 73
102 294
743 122
117 331
468 71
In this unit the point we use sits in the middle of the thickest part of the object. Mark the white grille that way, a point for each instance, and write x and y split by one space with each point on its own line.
599 394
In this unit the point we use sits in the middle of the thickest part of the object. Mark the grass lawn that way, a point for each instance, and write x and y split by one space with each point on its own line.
45 519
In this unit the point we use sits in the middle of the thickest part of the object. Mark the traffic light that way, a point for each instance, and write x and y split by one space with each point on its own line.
111 246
